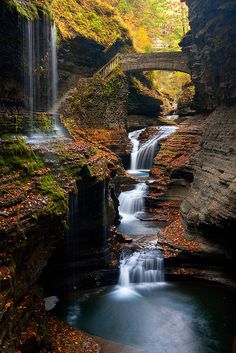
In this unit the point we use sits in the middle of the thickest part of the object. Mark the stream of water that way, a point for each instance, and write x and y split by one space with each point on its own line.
142 310
132 202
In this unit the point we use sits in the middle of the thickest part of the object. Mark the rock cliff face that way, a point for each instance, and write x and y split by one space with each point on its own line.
11 92
35 198
98 103
211 46
210 206
98 107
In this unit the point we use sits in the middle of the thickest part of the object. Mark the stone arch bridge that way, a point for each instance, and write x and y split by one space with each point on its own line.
168 61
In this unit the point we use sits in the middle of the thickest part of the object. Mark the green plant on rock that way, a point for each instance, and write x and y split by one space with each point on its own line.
44 122
15 154
112 84
57 200
30 9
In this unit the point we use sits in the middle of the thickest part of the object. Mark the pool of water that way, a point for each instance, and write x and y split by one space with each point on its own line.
160 318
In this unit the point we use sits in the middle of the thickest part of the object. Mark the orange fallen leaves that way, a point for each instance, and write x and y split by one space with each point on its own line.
175 234
66 339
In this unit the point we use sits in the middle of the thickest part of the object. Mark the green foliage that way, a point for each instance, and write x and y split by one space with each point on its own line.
172 86
93 19
112 85
23 124
30 9
163 23
57 199
152 24
96 22
16 155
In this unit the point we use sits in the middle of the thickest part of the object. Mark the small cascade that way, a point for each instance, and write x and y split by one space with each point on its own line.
143 157
142 267
132 201
133 136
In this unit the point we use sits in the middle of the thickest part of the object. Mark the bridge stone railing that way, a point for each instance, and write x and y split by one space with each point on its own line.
107 69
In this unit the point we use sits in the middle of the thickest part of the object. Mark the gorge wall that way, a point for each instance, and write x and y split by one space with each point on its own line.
211 47
210 206
11 92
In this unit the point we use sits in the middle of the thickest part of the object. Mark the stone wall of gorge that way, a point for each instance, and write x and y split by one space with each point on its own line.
44 192
211 203
211 47
209 208
11 79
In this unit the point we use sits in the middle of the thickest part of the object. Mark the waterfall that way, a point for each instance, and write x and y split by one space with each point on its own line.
142 267
54 73
132 201
29 75
36 50
133 136
40 69
142 155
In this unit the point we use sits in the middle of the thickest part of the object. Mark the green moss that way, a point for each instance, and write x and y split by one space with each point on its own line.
112 86
30 9
16 155
24 124
109 86
57 200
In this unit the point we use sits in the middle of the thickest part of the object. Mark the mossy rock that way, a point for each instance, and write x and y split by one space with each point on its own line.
30 9
25 123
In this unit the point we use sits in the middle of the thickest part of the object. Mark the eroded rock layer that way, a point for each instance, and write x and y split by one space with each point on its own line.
210 206
211 46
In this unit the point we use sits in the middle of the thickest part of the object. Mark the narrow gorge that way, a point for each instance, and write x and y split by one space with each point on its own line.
117 160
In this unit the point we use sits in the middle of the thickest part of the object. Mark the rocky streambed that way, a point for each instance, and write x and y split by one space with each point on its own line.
187 255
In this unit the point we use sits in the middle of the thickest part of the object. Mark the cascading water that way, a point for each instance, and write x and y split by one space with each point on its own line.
146 266
142 267
54 73
142 156
37 51
40 71
132 201
133 136
29 76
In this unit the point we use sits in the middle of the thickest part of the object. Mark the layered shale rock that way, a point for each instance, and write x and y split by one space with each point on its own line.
210 206
211 47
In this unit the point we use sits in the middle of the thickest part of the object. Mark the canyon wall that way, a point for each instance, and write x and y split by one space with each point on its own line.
11 78
211 45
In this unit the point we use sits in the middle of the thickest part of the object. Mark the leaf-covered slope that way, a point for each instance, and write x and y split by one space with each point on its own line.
93 19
